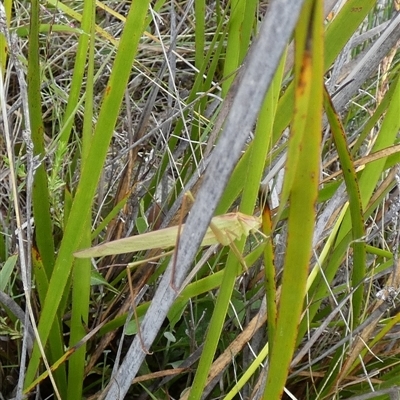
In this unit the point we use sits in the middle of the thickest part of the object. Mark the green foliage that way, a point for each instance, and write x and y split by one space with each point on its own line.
123 107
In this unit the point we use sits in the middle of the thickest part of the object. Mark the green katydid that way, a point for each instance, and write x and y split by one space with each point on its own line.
224 229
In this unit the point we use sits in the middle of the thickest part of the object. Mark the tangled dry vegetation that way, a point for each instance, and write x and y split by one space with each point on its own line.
97 148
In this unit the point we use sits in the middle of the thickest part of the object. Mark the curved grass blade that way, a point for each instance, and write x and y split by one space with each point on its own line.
355 205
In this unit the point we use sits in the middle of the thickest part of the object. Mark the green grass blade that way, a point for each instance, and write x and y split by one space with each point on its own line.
372 171
81 274
265 127
55 336
40 196
303 192
240 29
200 13
216 323
356 209
80 212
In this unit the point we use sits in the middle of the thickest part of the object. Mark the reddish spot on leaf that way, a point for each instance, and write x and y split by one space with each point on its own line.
36 255
304 73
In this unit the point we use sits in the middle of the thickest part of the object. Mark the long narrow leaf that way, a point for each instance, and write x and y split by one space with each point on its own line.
91 172
356 210
303 192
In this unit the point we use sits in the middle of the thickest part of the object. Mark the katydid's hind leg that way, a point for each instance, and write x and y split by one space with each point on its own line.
236 251
239 257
